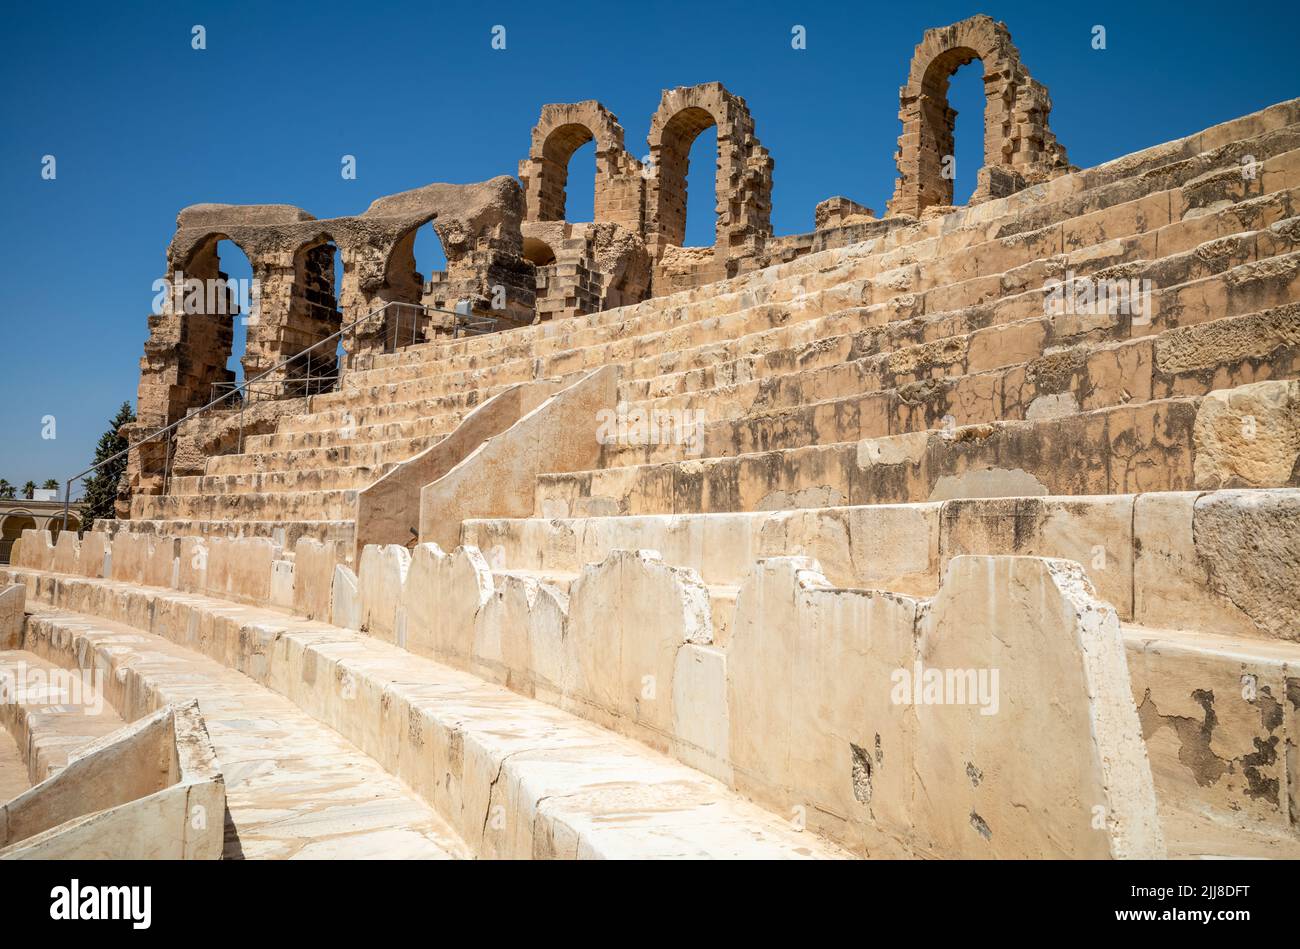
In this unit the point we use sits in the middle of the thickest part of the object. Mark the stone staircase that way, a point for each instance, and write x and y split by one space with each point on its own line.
930 327
907 449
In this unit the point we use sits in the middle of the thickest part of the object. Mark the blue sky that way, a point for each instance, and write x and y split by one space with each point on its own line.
141 125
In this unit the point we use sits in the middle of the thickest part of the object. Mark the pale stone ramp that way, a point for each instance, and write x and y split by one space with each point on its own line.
294 788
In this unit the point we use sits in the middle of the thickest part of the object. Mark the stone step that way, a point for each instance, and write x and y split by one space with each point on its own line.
1149 555
1205 176
835 337
294 788
284 532
360 415
516 778
289 480
346 454
911 287
1152 446
330 505
411 430
50 713
1055 379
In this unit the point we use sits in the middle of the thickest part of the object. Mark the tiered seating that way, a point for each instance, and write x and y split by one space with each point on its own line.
939 324
872 450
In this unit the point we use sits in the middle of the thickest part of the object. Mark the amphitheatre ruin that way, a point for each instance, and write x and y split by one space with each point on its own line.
948 532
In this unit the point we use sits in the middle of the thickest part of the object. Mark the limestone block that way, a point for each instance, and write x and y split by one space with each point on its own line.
239 568
282 584
13 600
1096 532
37 550
440 600
813 734
159 562
67 550
1248 436
92 558
192 565
130 553
628 617
345 604
1214 714
1172 585
1250 543
313 578
519 637
1049 762
701 723
379 587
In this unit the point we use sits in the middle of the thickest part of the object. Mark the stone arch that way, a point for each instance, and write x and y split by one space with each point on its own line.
744 169
208 336
315 313
12 525
54 524
538 252
1019 147
561 130
405 322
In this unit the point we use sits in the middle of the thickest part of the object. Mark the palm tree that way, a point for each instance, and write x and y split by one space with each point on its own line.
50 485
29 490
6 490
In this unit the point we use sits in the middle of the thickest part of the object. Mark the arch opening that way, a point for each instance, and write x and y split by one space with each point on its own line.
537 252
217 303
966 139
557 153
674 162
11 529
315 314
702 190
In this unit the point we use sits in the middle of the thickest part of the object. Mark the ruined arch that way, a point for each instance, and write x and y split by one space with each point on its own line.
404 286
314 315
563 128
538 252
744 169
1019 147
209 335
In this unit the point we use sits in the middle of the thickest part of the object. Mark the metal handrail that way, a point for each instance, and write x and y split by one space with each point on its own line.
67 490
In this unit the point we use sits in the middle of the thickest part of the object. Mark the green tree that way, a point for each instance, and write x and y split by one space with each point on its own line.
101 487
6 490
29 490
50 484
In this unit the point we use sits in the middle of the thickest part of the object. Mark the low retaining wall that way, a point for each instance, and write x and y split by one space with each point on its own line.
113 802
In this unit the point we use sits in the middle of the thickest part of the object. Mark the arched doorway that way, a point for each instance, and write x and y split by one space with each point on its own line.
12 526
